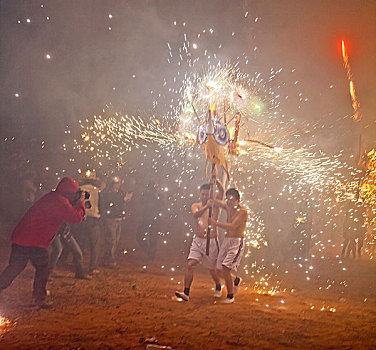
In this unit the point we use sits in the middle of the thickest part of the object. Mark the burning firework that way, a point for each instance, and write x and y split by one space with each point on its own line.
355 103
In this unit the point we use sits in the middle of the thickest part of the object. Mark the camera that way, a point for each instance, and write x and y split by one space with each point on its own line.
86 193
86 201
86 197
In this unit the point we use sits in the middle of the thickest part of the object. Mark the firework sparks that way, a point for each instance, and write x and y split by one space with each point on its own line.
309 175
274 171
5 325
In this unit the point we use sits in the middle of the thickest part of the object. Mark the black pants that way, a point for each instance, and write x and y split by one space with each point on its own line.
58 245
87 234
18 260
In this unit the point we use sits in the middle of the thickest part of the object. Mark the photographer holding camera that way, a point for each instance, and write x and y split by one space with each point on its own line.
35 232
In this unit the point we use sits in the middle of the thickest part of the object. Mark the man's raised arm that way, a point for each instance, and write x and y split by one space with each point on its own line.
196 212
239 219
72 213
221 190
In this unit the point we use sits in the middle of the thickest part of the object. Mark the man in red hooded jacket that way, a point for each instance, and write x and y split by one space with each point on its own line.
36 231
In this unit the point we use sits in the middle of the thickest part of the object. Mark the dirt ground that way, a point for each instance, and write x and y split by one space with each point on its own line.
118 308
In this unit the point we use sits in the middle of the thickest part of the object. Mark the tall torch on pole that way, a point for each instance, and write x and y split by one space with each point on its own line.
215 154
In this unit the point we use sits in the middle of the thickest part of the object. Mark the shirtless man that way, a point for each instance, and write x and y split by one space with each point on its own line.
197 253
232 247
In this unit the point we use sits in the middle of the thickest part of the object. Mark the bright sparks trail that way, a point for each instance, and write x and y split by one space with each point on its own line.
355 103
106 139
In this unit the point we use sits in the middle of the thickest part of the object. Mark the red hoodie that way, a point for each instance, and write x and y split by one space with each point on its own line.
39 225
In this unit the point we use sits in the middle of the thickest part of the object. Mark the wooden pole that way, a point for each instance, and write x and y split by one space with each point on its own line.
210 212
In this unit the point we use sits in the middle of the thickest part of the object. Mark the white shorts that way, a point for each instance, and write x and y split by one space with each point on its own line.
230 254
198 252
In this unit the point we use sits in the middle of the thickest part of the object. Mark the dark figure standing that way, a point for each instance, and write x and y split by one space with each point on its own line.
65 239
35 232
113 213
89 229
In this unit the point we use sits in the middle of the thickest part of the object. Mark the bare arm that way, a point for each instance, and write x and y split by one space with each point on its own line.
196 212
221 190
220 203
238 220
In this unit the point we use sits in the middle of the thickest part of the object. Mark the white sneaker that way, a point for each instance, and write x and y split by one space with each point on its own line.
182 295
236 288
228 301
217 293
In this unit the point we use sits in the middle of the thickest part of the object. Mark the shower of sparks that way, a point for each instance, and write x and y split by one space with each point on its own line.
228 91
5 325
106 139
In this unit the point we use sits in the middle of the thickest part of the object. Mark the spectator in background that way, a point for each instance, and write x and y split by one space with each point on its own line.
112 212
29 188
89 229
65 239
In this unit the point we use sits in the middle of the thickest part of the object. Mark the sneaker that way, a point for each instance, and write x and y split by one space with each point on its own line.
217 293
182 295
228 301
236 287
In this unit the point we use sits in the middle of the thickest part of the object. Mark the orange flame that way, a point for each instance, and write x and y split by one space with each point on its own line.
352 93
343 49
